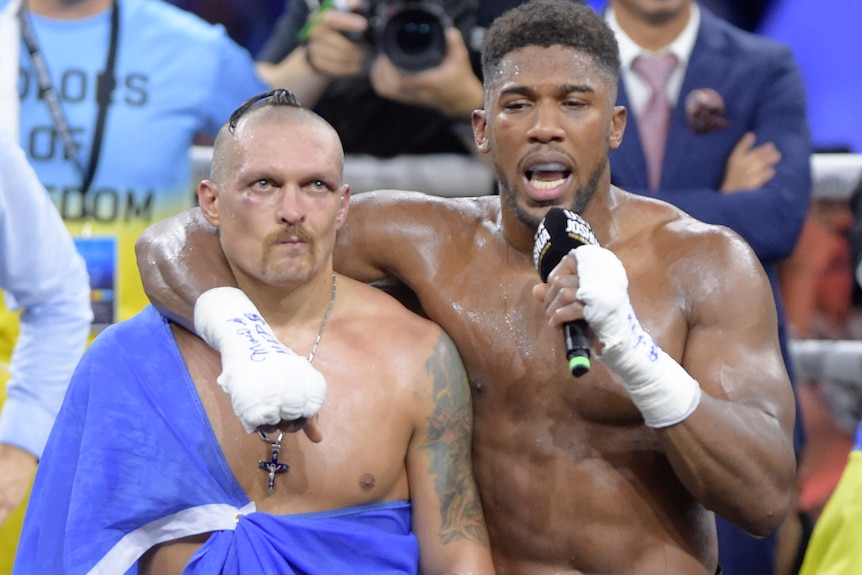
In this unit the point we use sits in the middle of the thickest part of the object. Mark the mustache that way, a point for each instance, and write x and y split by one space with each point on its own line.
289 231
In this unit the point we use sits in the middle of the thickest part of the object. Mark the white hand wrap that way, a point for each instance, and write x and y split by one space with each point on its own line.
660 388
266 381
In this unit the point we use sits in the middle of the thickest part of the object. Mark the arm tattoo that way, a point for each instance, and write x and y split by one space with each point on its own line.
448 447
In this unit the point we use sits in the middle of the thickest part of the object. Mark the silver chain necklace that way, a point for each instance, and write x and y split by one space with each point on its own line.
273 466
323 323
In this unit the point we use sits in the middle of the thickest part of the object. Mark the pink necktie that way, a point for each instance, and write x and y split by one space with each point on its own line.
655 118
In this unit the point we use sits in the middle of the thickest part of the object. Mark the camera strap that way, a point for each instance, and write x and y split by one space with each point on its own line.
105 84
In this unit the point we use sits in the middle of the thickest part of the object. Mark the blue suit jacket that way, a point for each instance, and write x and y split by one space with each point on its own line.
763 92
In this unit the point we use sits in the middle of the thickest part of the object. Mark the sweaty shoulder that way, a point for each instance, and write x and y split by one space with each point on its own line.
415 211
406 235
662 236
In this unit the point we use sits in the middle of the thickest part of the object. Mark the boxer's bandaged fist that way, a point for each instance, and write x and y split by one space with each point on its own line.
663 391
266 381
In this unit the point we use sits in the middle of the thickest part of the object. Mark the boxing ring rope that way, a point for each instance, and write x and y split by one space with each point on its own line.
828 359
834 178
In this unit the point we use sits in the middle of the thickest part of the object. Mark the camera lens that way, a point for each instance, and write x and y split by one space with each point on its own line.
414 38
414 35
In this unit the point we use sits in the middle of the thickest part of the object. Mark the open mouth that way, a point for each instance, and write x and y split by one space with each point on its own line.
547 178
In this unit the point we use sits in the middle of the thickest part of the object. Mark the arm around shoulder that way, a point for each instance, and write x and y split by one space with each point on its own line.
179 259
391 234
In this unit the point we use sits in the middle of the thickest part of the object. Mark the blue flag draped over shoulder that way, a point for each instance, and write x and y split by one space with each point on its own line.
132 461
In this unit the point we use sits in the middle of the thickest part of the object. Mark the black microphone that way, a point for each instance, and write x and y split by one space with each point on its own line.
560 232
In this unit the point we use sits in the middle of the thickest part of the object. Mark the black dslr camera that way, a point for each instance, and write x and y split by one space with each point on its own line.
411 33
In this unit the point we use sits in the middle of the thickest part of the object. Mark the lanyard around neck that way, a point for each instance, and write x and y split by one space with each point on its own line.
105 84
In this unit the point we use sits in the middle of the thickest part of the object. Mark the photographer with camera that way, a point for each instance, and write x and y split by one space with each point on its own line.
396 78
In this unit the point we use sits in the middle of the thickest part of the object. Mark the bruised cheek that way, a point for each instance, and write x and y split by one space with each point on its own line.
239 246
243 238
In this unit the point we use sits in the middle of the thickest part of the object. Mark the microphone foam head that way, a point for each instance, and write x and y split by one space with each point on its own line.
559 232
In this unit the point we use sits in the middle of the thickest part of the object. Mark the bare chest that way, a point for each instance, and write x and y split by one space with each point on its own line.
517 363
359 461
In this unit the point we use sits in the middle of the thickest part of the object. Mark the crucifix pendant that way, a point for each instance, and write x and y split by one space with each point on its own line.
273 466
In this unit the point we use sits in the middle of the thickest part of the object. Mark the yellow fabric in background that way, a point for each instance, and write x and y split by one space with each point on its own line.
8 334
834 547
11 529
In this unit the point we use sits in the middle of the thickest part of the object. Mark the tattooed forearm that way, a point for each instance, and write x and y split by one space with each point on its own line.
448 447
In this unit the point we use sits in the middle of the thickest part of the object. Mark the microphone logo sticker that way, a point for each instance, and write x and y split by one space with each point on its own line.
541 244
579 230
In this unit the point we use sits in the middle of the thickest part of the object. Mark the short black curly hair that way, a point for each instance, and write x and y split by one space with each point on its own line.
545 23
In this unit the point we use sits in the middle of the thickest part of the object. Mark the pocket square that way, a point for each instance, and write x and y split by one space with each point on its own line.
705 111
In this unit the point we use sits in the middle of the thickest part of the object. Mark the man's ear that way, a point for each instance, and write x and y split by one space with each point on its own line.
480 131
208 201
618 126
341 216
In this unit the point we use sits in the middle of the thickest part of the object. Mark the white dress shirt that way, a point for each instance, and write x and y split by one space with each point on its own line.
637 89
